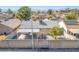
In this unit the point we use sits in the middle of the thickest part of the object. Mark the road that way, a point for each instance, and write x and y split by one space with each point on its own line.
41 50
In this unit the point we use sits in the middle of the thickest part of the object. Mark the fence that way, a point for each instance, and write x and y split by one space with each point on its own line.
39 43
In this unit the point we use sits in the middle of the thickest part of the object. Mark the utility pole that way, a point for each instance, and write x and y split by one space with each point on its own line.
32 32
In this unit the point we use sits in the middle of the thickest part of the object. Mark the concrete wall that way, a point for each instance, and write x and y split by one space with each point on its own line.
39 43
16 44
64 44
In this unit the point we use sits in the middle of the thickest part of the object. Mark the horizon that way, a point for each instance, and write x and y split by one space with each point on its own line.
41 8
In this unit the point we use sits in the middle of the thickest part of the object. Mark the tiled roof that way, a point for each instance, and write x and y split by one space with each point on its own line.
72 26
12 23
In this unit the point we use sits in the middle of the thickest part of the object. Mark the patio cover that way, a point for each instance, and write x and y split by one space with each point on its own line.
27 30
75 31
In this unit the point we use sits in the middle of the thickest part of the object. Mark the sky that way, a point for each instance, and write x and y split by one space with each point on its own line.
41 8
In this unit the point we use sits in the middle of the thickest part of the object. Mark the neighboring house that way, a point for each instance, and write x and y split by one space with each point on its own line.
42 15
5 16
73 27
9 25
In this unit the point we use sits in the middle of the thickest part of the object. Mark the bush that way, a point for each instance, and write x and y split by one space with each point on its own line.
71 16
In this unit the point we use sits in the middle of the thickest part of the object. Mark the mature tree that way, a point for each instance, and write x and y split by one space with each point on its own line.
55 31
9 11
24 13
66 10
74 10
13 15
49 17
38 12
36 15
49 12
0 10
71 16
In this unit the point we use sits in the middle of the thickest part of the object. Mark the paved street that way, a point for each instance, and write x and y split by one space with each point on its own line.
41 50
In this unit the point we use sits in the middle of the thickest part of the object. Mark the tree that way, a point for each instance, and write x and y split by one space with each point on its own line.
67 10
55 31
71 16
9 11
36 15
13 15
49 12
49 17
0 10
24 13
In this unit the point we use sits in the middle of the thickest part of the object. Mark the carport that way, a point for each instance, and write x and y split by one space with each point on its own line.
75 32
27 31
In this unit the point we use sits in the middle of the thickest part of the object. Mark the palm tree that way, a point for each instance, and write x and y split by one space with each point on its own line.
55 31
36 15
49 14
49 17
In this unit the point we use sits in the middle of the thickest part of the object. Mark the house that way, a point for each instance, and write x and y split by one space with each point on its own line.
5 16
72 26
9 25
42 15
39 28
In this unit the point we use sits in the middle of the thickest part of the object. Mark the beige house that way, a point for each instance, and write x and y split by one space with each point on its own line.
9 25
